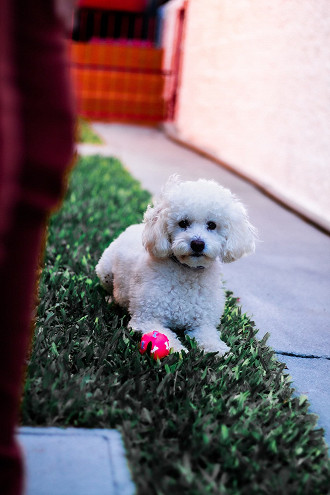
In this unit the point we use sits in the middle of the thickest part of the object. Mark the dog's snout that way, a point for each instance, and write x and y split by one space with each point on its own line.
197 245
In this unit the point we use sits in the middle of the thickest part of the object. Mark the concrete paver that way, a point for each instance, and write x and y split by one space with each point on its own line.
74 461
285 286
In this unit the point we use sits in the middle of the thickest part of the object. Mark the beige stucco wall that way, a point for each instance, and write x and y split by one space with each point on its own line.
255 93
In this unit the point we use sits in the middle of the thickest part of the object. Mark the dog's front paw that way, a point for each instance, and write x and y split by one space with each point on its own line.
208 338
218 346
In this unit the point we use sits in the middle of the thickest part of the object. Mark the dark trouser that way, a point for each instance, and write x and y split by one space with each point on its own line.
36 146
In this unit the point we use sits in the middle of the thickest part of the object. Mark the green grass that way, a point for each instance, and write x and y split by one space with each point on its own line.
196 425
86 133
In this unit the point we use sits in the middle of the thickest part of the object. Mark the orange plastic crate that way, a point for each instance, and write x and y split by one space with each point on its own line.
99 80
118 82
121 56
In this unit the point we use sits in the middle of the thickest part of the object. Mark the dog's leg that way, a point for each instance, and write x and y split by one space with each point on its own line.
104 269
208 337
148 326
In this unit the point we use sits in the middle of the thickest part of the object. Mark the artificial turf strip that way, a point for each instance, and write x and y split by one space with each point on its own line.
196 425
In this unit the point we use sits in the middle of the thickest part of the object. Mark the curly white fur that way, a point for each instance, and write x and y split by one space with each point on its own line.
167 271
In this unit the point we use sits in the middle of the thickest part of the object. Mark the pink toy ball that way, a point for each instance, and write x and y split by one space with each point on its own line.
160 345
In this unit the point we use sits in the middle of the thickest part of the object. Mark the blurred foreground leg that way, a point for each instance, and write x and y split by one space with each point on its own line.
36 146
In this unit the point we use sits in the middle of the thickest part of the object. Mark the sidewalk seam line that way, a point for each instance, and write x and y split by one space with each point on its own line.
302 356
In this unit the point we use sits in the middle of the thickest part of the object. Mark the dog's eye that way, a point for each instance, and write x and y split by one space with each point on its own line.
211 226
183 224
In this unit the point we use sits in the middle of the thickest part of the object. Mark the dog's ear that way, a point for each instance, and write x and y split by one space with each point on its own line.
155 236
240 236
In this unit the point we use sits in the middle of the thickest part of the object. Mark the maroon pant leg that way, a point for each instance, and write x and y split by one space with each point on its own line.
36 144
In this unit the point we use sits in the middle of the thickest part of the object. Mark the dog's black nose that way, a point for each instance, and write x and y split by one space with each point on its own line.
197 245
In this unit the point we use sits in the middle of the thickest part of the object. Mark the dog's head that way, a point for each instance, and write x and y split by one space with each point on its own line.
196 222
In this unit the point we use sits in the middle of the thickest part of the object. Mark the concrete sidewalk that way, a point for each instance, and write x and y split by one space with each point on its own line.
285 286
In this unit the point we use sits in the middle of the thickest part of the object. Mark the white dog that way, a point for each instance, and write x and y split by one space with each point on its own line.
167 270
